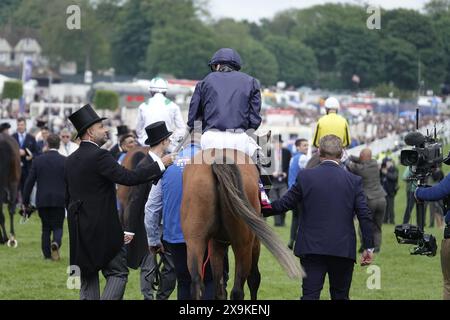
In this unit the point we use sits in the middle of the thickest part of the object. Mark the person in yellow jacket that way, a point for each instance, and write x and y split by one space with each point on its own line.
332 123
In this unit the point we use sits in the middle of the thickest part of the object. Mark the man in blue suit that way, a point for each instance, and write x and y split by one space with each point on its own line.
48 171
28 150
326 241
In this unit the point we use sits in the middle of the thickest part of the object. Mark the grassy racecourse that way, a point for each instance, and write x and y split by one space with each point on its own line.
25 275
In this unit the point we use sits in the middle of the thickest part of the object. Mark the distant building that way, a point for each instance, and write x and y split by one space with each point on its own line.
12 56
5 53
27 47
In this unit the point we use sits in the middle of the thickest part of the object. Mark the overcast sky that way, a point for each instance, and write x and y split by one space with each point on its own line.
253 10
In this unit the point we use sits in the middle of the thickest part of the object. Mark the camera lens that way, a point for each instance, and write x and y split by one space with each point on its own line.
409 157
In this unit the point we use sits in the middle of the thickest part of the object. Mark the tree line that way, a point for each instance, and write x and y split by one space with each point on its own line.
321 46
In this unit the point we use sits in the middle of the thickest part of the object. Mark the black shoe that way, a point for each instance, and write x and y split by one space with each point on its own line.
55 251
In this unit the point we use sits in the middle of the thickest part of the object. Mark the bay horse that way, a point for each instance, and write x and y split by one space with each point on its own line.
130 162
10 171
221 207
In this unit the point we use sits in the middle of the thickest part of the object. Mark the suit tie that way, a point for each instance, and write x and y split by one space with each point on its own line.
21 139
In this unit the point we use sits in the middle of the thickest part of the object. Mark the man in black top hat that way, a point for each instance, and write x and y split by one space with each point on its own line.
95 233
138 253
116 150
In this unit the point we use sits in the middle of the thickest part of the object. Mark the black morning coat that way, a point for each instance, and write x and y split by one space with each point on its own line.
95 231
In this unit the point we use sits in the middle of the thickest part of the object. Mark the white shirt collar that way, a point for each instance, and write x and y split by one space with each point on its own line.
153 155
331 161
158 160
53 149
90 142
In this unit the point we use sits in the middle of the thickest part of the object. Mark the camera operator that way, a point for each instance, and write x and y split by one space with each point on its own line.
435 193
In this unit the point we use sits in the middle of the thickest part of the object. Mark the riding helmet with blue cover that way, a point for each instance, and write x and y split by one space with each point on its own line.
226 56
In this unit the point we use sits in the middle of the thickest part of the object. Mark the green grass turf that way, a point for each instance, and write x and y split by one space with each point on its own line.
24 274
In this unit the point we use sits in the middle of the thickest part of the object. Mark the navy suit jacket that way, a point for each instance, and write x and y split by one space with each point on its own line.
48 171
330 196
30 144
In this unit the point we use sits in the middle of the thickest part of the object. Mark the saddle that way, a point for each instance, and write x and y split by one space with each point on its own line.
262 157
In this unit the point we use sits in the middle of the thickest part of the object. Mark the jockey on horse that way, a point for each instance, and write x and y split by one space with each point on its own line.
228 102
160 108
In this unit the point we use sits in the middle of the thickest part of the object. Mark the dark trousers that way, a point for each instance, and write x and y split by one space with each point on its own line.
52 219
294 225
116 274
167 276
377 207
23 179
436 212
339 270
410 202
277 191
389 217
179 254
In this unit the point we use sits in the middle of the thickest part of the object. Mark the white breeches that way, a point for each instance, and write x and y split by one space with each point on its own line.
229 140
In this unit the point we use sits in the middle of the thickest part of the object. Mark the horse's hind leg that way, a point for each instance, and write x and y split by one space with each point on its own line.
195 251
254 279
3 236
217 259
12 208
243 265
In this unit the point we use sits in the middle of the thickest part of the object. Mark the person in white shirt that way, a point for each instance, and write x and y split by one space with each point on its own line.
160 108
67 147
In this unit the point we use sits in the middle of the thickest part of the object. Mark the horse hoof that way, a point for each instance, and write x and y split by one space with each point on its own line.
12 243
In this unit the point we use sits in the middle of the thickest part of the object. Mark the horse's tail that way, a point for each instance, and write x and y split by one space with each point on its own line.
232 198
